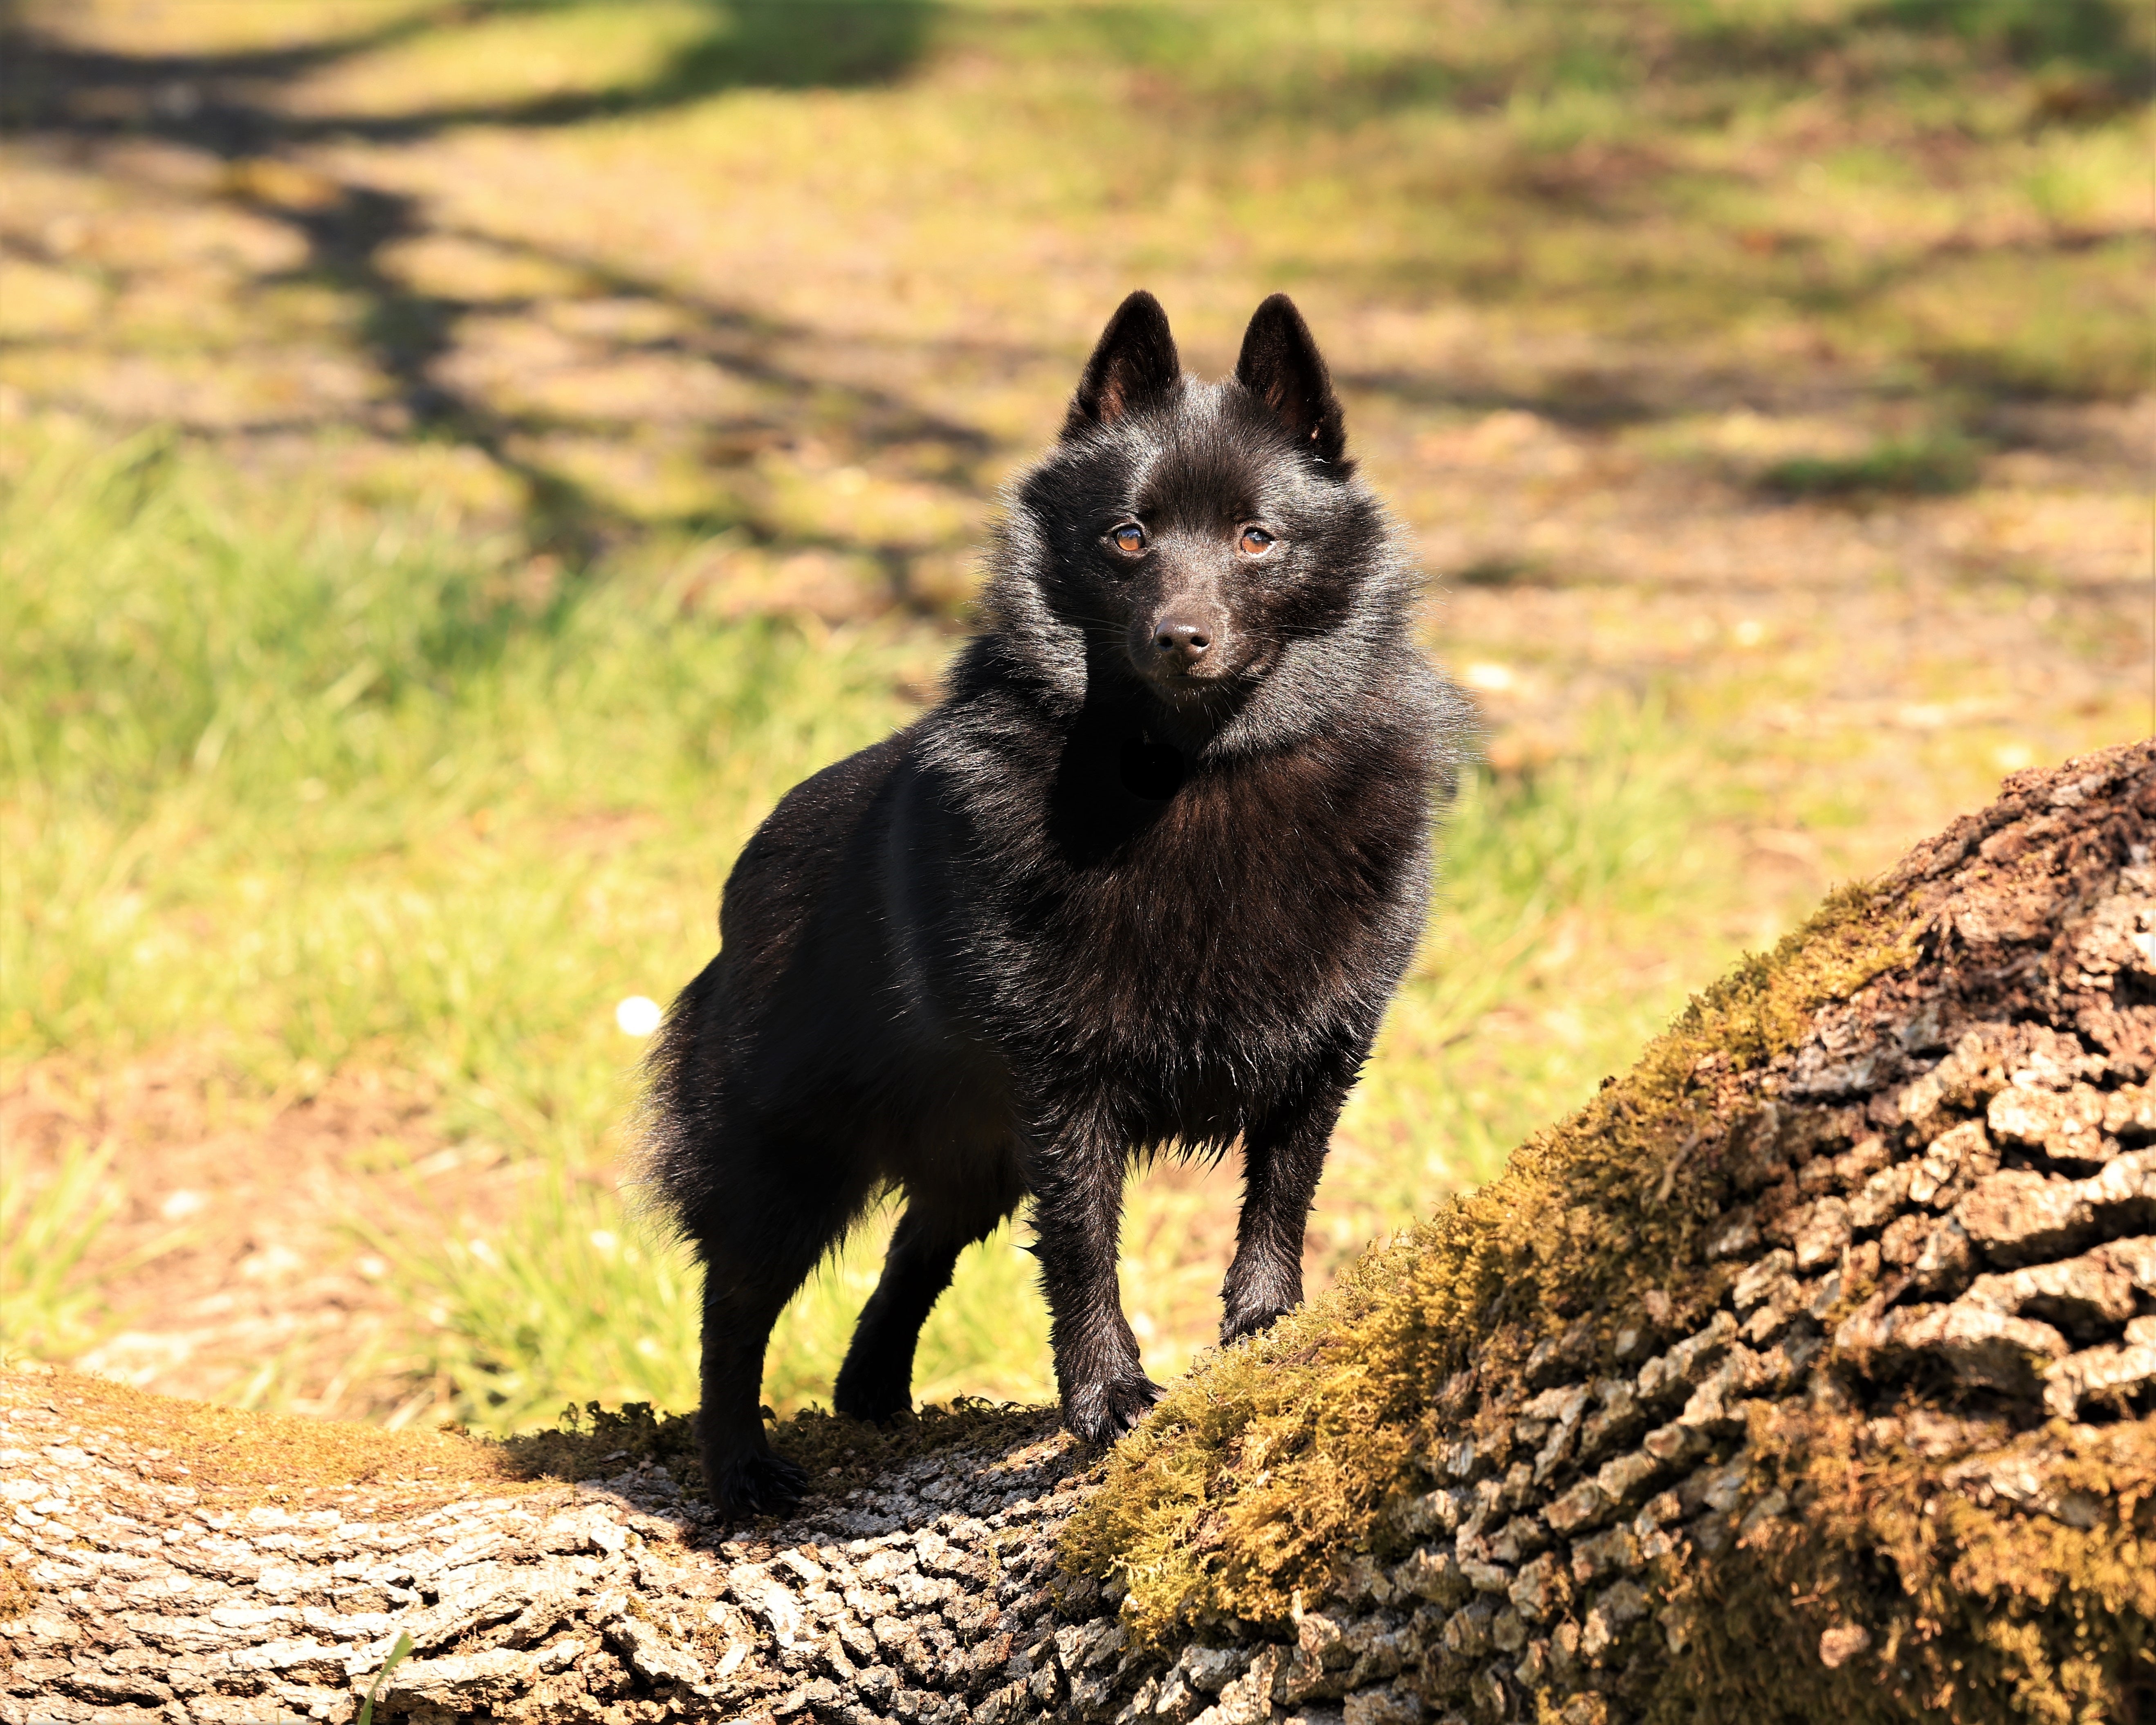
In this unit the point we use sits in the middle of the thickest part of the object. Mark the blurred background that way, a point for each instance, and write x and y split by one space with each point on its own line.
461 460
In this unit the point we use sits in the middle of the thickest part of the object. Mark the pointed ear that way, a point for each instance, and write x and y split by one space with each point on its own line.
1134 365
1281 365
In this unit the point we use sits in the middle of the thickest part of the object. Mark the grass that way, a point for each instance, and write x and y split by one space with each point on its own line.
330 786
399 1651
1915 467
48 1227
396 787
435 532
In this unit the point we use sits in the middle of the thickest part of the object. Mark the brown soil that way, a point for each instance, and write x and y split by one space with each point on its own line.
241 1269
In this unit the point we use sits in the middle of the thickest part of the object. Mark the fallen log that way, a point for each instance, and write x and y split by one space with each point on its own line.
1809 1371
172 1561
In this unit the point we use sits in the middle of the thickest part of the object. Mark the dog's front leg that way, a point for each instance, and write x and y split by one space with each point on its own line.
1077 1214
1282 1161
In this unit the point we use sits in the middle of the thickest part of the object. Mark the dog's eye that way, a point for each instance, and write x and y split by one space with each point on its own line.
1129 537
1255 542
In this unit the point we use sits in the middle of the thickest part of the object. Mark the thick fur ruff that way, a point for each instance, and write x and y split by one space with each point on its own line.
1146 876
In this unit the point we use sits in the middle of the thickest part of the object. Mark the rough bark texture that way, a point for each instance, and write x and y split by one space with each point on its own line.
1897 1461
610 1599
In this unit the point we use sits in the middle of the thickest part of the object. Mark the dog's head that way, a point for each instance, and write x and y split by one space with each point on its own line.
1202 542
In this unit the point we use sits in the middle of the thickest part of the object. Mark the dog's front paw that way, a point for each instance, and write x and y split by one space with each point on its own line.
1101 1413
862 1396
1236 1325
755 1482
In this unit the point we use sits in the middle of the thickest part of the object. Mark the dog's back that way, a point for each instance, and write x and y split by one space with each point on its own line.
807 1028
1147 875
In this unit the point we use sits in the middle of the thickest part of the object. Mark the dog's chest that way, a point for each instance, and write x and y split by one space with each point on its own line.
1243 913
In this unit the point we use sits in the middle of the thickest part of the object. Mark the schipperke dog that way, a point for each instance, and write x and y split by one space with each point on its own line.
1145 878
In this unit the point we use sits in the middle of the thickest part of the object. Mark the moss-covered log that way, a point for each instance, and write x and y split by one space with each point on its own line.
1809 1372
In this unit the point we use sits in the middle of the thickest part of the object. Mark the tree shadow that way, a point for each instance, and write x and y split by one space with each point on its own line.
2091 47
2089 36
2096 59
781 44
81 102
228 99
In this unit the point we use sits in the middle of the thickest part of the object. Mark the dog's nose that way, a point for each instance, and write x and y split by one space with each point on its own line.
1181 642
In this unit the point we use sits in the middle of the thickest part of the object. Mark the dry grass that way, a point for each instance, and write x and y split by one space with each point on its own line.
233 1458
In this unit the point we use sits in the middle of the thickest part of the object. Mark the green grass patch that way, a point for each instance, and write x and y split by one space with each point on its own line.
424 760
1910 467
48 1308
341 789
337 787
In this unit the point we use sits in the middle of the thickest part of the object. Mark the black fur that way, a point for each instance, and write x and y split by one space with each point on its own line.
1145 877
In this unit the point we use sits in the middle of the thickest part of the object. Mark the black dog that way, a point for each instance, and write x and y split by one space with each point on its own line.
1146 876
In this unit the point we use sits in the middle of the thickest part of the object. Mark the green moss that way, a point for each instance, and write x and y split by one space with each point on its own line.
1939 1593
1970 1610
235 1458
1258 1473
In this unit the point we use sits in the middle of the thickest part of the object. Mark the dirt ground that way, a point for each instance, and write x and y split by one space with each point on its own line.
241 1269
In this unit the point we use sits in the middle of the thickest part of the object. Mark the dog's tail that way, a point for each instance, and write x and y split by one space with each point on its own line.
673 1130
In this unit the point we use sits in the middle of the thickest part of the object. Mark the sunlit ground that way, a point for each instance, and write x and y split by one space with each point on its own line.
463 462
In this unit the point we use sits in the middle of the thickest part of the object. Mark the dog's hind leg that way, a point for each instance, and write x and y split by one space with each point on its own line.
742 1475
759 1234
1281 1161
876 1381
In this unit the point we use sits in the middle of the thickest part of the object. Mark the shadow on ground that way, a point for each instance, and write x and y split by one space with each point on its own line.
81 101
